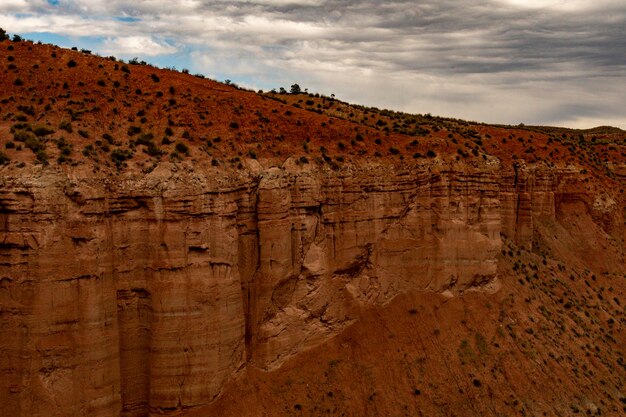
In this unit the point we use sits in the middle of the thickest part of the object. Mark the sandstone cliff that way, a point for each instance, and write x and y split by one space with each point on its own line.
148 293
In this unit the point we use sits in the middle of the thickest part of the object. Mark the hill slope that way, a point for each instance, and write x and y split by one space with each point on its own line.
103 108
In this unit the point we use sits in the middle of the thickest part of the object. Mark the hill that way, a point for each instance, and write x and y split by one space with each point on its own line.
79 109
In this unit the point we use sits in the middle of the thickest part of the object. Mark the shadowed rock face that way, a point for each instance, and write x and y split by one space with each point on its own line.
146 295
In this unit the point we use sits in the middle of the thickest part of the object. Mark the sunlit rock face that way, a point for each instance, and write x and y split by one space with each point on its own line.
145 295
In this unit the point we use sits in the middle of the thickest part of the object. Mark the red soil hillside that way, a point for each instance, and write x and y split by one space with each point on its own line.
95 110
171 245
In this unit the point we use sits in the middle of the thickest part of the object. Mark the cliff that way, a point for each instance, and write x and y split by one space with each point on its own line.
230 276
149 293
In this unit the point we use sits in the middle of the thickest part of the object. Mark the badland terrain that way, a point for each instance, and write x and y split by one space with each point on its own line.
172 245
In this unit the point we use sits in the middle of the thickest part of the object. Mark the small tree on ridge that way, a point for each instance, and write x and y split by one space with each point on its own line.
295 89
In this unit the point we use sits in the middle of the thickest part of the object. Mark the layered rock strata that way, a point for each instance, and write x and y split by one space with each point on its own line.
138 296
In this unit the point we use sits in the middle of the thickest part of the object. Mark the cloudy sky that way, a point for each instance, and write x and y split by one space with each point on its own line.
559 62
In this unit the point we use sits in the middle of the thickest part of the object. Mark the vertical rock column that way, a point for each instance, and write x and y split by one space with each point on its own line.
275 257
63 336
197 340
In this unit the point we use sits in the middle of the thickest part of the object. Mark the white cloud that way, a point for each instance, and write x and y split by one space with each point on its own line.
136 45
13 5
69 25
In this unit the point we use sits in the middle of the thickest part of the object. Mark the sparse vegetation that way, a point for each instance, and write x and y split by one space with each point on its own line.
119 156
42 131
66 125
182 148
65 149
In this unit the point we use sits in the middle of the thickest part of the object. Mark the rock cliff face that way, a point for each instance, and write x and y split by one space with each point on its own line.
136 296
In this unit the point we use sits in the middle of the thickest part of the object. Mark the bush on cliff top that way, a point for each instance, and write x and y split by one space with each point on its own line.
118 156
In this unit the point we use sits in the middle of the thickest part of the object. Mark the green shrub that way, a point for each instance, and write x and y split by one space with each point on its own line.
71 63
34 144
89 151
42 156
182 148
103 145
119 156
4 159
29 110
20 126
22 136
64 147
42 131
153 150
66 151
66 125
144 139
133 130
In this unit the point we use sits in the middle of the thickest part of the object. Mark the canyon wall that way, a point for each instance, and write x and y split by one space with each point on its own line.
139 296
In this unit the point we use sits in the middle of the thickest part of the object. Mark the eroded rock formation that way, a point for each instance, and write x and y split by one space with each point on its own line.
145 295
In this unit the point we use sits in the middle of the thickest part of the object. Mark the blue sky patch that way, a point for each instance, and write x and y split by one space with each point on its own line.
127 19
